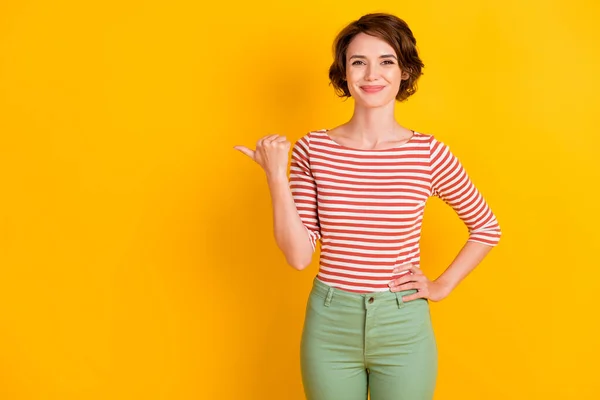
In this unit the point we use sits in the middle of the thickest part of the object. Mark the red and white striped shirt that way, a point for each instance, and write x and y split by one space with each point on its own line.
366 206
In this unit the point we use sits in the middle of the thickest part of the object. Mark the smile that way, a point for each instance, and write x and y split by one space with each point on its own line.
372 89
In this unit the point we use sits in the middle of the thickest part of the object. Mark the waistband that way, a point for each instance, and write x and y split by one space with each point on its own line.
328 292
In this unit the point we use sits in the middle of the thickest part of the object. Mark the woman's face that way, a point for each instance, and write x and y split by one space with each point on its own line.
372 71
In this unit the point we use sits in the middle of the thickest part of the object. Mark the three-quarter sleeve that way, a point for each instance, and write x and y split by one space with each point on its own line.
451 183
304 189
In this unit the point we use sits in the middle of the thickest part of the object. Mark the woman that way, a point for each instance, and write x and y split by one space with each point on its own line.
361 189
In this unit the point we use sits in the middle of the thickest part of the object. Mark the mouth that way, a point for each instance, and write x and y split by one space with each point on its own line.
372 89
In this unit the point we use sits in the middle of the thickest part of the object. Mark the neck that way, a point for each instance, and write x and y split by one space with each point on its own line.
372 125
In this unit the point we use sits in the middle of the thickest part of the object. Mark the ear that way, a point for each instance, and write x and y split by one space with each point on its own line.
405 75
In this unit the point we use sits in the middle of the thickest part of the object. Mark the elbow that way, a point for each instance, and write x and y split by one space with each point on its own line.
298 253
497 233
489 234
299 257
298 267
300 263
487 237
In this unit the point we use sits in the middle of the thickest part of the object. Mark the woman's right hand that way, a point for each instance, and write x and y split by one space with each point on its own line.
272 154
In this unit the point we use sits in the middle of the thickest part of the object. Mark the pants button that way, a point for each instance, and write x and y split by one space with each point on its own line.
371 300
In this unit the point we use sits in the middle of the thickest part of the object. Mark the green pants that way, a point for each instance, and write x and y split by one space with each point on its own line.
355 343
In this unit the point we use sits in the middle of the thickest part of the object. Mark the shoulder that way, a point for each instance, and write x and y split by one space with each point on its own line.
432 140
422 137
305 140
301 146
424 141
317 134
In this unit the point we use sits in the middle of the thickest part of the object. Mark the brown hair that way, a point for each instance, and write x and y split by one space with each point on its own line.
386 27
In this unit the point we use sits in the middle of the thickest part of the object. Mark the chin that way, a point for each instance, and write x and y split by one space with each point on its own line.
373 103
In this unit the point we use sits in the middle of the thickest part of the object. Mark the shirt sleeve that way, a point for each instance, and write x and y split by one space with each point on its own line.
304 189
451 183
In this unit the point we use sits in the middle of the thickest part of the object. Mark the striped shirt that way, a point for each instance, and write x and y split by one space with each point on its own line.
366 206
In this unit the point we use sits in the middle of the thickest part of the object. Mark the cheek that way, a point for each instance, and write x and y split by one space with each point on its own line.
394 76
353 80
353 76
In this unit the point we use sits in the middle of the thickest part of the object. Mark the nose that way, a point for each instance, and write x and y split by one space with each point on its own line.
371 72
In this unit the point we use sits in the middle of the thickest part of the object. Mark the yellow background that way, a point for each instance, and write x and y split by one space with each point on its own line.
136 246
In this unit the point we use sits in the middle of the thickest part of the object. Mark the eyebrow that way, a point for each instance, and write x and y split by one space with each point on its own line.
382 56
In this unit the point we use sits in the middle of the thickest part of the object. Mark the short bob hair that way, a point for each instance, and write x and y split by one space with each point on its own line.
386 27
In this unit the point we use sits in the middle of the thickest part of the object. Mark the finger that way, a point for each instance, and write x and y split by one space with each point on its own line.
404 279
414 270
414 296
267 139
263 142
405 286
404 267
245 150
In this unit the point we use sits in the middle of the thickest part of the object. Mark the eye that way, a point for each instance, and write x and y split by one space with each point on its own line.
389 62
357 62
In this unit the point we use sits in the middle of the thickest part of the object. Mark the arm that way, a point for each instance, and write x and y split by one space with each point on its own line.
452 184
294 202
467 259
296 224
290 233
303 188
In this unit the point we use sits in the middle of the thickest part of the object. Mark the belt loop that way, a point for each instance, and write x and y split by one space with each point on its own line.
399 300
329 296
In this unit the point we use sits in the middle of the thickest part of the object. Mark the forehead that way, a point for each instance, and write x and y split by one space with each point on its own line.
368 45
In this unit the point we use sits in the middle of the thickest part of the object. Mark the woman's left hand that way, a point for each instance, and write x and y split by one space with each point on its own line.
432 290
